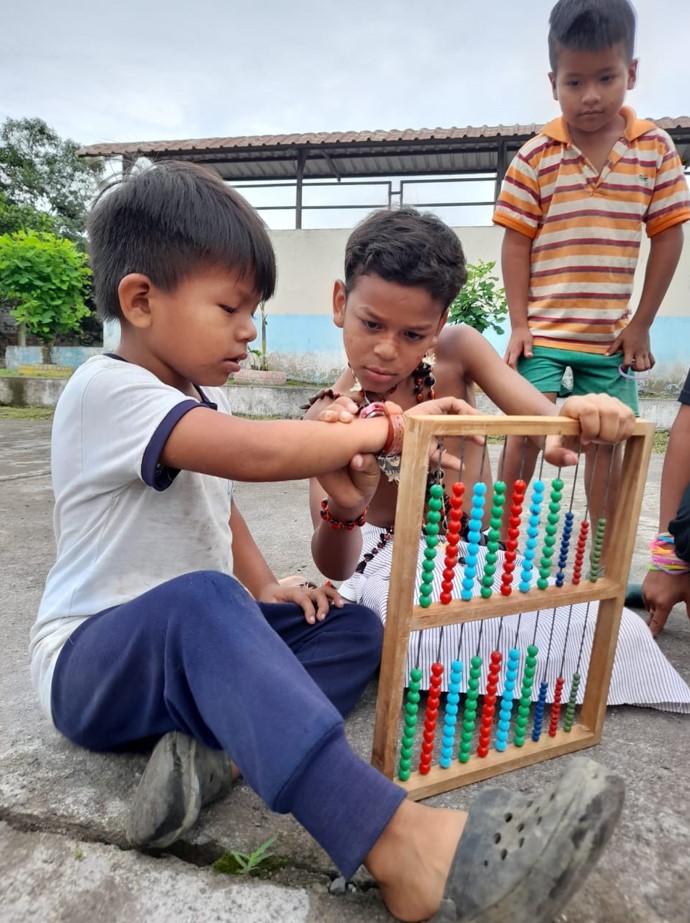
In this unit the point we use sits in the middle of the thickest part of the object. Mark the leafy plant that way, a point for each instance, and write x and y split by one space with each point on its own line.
44 279
481 302
240 863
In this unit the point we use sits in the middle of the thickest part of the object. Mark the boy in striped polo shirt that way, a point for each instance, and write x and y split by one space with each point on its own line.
573 204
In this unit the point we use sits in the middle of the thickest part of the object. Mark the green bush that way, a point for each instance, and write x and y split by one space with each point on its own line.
43 279
482 302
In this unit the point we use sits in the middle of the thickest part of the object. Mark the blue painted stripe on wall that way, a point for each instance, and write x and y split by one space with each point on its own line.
315 333
302 333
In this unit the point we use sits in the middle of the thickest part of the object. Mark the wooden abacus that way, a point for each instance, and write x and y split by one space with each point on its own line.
466 755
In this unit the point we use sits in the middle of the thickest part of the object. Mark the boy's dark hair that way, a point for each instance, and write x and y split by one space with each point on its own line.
591 25
410 248
165 222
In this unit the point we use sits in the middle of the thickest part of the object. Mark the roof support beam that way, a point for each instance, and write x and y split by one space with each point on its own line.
329 161
501 167
301 158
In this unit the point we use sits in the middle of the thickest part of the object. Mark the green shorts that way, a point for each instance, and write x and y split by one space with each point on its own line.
592 374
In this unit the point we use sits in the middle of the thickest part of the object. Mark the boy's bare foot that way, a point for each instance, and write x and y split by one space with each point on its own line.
518 859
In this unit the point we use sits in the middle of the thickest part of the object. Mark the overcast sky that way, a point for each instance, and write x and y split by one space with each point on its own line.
138 70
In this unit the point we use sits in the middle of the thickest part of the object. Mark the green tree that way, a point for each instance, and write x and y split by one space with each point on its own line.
44 279
481 302
22 217
41 171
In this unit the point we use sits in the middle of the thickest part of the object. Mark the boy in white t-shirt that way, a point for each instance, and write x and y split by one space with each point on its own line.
161 619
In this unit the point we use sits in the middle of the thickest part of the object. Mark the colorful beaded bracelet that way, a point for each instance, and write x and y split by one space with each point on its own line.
664 557
348 524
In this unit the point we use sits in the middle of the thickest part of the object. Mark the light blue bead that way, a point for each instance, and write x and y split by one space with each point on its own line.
465 594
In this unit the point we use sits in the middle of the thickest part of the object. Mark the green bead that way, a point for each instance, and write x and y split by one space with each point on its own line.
497 511
436 490
406 751
430 553
413 695
499 487
404 775
431 540
557 483
551 530
435 505
473 683
433 516
532 650
552 518
495 523
425 601
486 592
523 711
428 565
432 529
492 545
405 764
490 569
554 507
416 675
476 662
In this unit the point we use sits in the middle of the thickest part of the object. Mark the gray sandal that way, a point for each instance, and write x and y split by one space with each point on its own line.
181 776
519 859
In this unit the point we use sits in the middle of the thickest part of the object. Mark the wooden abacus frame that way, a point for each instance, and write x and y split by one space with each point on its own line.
404 616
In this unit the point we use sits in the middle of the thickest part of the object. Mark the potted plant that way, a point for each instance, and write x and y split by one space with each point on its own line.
259 371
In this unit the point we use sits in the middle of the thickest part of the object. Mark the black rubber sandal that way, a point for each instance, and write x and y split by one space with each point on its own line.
520 859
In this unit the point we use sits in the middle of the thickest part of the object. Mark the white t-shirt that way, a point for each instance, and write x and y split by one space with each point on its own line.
123 522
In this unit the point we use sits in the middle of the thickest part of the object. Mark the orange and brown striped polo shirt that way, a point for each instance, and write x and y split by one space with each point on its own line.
586 227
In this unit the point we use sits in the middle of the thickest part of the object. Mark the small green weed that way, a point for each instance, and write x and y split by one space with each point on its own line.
78 854
255 863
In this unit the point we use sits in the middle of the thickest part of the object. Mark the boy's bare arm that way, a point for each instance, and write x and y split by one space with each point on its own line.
246 450
252 570
515 267
336 552
664 253
675 476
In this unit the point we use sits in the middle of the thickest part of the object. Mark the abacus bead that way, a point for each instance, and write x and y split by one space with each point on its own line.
557 483
432 529
413 695
480 488
492 545
433 516
490 569
436 490
425 601
430 553
405 763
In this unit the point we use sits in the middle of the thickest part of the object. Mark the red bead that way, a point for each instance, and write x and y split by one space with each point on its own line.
510 555
520 486
482 751
509 567
446 598
429 736
459 488
506 590
453 538
437 669
513 533
496 657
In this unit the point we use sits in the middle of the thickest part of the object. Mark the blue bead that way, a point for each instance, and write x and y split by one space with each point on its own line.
480 487
465 594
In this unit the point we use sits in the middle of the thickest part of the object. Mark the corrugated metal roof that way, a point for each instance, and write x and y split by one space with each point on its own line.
356 154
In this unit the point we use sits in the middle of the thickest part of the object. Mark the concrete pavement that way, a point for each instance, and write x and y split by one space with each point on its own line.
63 852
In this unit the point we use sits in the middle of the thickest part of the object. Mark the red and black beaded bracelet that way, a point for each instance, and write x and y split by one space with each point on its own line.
334 523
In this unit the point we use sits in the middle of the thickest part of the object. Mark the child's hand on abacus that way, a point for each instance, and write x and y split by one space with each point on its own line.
602 419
